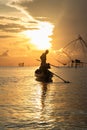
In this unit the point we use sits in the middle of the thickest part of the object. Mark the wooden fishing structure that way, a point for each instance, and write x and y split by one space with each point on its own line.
21 64
75 62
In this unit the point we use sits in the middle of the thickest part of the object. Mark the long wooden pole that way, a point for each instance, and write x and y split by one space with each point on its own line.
61 78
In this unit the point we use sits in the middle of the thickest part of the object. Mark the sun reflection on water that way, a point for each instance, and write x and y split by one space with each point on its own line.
28 104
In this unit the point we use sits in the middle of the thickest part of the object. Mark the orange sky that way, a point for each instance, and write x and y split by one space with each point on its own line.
28 27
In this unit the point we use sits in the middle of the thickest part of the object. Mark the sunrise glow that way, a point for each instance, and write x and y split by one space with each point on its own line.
41 37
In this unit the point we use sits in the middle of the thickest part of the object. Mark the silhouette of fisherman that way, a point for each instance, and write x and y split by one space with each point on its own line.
43 70
43 58
44 66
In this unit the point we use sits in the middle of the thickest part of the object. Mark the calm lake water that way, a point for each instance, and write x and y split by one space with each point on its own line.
26 104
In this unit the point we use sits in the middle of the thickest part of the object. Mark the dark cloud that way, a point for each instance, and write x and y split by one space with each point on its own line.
66 14
14 28
41 8
75 13
4 8
11 27
9 18
5 36
53 8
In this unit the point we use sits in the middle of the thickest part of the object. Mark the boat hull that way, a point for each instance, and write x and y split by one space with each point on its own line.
43 76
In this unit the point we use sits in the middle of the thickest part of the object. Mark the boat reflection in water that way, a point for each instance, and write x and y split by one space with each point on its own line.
43 94
46 116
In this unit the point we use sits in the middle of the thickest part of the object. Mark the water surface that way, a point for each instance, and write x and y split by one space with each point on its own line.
26 104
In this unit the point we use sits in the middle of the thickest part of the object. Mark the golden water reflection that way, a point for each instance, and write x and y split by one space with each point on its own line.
45 103
24 102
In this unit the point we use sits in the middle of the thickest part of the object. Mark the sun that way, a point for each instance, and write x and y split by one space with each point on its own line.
41 37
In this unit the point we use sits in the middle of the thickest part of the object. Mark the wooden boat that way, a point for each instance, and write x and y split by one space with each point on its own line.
43 76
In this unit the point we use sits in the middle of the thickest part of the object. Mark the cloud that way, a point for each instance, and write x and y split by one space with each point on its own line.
70 13
68 16
15 28
11 27
14 24
5 36
4 8
9 18
39 8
